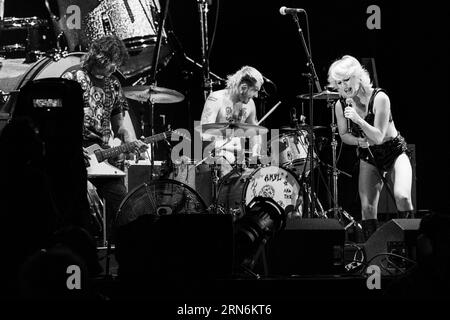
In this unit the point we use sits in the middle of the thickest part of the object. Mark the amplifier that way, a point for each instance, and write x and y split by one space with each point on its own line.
140 172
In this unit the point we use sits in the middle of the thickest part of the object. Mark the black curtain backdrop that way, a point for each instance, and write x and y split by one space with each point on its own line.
410 52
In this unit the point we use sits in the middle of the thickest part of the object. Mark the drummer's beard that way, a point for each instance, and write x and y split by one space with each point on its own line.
244 97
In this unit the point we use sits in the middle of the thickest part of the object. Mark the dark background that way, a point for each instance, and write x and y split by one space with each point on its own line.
410 51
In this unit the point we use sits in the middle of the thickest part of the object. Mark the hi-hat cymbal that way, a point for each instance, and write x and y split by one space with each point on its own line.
222 129
324 95
301 127
153 94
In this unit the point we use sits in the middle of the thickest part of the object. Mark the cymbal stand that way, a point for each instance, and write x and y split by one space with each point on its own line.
203 12
215 178
312 197
152 79
338 212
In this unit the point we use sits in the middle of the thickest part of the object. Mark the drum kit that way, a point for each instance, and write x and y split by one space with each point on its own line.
286 183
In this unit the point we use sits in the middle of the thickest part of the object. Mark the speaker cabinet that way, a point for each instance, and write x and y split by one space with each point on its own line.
307 246
386 204
397 236
138 173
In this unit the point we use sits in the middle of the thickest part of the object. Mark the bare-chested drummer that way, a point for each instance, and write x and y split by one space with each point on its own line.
234 104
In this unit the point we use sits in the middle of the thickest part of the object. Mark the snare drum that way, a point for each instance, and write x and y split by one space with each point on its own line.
293 152
240 186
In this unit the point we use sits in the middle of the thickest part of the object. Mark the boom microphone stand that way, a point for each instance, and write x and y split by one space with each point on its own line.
312 77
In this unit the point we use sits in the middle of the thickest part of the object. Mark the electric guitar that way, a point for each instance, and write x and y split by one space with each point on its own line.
98 167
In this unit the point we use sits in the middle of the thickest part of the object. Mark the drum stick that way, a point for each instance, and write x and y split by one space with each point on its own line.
268 113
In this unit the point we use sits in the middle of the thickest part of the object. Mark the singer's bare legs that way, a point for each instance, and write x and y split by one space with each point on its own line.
369 186
401 176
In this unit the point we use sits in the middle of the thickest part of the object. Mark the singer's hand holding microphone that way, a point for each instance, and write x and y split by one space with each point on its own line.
363 143
350 113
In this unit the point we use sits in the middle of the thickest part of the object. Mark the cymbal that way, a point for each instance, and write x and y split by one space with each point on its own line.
324 95
12 23
153 94
302 127
239 129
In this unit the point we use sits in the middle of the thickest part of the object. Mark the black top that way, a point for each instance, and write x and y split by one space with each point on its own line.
370 117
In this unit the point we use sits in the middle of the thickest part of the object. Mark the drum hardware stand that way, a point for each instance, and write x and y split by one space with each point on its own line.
312 197
312 77
215 178
249 264
57 53
217 79
338 212
152 80
203 12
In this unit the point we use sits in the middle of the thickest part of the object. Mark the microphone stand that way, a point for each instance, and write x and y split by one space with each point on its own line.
312 76
152 80
203 12
338 212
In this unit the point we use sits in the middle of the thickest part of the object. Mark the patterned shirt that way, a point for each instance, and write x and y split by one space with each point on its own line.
102 100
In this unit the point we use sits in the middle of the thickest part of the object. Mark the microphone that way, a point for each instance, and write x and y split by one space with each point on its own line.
284 11
294 115
267 80
348 103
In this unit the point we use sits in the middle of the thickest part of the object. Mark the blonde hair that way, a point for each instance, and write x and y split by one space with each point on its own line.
246 74
346 67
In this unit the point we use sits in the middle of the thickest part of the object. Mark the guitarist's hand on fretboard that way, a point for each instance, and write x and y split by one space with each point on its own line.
140 146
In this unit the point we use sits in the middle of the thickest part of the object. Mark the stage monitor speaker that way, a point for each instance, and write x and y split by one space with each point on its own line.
307 246
386 205
176 247
397 236
52 106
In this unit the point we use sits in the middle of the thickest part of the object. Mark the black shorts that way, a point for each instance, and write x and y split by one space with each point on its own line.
385 154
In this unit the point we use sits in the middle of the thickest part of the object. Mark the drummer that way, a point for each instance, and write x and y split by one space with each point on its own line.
234 104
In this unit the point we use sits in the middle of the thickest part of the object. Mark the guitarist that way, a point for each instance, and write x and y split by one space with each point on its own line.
104 109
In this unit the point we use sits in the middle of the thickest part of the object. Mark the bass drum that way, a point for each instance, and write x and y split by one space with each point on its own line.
43 68
49 68
159 197
240 186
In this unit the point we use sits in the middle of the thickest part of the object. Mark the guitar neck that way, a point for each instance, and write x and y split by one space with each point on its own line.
157 137
128 147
